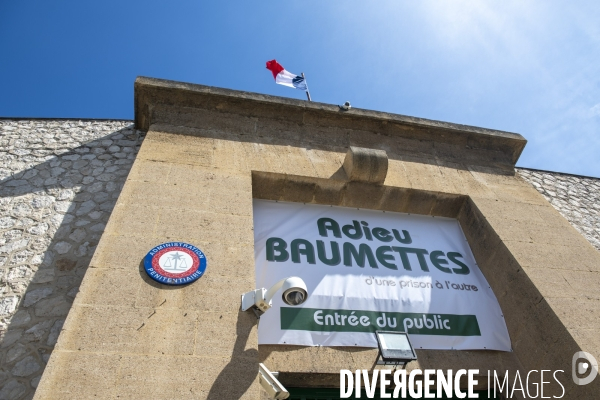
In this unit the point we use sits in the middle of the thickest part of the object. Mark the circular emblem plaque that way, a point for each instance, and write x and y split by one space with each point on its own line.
175 263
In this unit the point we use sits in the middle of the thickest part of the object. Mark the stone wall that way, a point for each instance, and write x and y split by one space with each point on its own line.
577 198
59 181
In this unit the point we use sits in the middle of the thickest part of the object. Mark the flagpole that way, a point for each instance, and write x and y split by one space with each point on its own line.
307 92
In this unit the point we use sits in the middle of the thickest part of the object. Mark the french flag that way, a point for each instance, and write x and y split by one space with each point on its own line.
286 78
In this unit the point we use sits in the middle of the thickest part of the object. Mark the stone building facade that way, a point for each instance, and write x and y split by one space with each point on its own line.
61 180
577 198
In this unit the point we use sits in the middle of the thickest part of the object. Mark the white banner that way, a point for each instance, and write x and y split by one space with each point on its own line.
370 270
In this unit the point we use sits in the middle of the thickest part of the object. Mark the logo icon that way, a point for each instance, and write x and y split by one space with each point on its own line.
584 364
175 263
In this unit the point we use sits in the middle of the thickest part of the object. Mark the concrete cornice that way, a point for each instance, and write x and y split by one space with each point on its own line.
152 92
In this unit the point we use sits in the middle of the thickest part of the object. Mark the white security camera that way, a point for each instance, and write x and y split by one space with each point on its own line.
294 291
269 382
294 294
346 106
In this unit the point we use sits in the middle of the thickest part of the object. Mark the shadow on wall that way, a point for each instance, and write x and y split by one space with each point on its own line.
52 214
242 370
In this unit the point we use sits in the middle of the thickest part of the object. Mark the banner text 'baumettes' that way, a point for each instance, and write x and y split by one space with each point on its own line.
385 248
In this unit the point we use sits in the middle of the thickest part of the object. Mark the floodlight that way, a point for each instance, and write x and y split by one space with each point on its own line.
269 382
394 348
294 294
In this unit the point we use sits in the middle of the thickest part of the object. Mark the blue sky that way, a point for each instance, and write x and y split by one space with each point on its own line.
531 67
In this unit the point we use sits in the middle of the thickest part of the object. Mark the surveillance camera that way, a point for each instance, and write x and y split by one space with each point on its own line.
346 106
294 294
294 291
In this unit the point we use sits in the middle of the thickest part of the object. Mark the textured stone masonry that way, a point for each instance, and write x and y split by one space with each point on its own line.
577 198
59 181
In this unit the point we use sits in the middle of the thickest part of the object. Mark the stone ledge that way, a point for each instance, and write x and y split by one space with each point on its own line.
151 94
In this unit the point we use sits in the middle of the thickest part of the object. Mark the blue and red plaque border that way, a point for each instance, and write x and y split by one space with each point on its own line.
154 270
